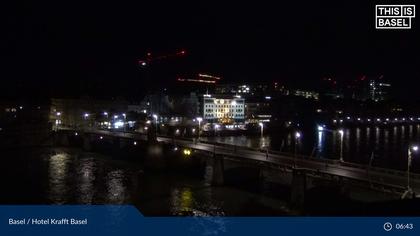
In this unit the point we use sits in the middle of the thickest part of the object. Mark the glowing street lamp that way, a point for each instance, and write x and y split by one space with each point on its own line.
411 149
341 132
199 119
262 128
216 127
298 135
156 118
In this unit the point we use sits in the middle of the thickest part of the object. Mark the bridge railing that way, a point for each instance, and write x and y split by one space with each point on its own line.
414 176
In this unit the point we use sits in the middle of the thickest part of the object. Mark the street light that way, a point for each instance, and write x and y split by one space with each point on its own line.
199 119
341 132
125 120
320 128
216 127
413 148
155 117
262 128
297 137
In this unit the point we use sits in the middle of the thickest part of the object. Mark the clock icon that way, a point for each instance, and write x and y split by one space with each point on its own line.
387 226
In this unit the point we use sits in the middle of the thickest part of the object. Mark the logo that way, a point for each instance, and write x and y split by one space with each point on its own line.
387 226
394 16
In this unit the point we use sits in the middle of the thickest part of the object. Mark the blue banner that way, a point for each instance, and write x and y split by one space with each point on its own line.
127 220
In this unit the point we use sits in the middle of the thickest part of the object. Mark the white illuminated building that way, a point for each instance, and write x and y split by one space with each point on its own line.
223 110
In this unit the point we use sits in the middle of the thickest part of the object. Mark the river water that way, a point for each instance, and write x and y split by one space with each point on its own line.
389 144
72 176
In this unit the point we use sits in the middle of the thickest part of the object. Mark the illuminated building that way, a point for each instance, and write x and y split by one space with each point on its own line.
307 94
223 109
378 91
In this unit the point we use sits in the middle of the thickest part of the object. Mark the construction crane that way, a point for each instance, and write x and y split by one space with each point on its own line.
150 58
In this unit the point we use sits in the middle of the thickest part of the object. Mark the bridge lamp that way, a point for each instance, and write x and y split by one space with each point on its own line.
411 149
262 128
341 132
298 135
156 118
199 119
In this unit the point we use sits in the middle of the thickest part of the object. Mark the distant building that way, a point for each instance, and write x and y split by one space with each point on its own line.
258 110
307 94
83 111
379 91
372 89
245 90
223 109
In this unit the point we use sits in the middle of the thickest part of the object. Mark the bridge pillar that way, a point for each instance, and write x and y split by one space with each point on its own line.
61 139
151 135
119 142
65 139
86 142
298 188
218 169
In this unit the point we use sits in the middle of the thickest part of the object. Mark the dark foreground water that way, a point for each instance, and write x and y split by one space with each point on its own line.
71 176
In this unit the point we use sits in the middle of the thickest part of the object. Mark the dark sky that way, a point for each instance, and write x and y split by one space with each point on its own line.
70 47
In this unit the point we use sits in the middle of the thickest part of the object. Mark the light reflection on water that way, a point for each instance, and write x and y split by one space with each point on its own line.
58 170
75 177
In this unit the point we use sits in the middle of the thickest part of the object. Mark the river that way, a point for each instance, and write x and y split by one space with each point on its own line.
72 176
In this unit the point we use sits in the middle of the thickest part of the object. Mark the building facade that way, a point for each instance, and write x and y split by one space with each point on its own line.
223 110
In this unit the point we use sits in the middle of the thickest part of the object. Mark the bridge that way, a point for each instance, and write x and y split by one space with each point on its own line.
387 180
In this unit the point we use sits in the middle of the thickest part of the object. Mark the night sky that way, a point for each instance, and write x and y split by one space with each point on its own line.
54 48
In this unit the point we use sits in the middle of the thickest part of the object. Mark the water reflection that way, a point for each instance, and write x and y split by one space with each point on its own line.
116 192
86 174
58 171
